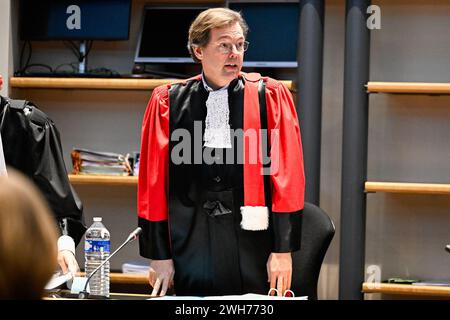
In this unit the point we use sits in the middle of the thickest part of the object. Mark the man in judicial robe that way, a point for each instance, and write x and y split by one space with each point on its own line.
221 212
30 143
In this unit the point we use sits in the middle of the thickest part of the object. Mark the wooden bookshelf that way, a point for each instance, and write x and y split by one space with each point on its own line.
78 179
406 289
408 87
404 187
98 83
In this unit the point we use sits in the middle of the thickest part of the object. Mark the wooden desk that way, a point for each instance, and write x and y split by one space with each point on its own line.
124 282
66 295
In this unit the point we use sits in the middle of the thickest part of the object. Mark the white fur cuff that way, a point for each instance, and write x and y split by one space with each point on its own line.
254 218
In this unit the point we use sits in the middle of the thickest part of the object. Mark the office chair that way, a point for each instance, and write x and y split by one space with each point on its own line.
317 232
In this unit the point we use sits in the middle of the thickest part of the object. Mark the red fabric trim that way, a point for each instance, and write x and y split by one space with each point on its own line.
287 168
252 76
253 178
154 162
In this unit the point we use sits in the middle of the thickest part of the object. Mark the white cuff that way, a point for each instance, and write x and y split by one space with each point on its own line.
66 243
255 218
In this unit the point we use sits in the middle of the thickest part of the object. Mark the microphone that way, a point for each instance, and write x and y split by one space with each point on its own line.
133 236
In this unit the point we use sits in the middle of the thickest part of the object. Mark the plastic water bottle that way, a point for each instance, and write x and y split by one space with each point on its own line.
96 250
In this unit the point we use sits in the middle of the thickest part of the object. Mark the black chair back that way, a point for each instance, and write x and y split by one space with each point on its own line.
317 232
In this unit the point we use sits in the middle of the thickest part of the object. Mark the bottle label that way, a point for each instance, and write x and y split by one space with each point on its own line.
96 246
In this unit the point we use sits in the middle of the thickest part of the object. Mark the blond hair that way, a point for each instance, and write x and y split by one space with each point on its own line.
28 238
200 29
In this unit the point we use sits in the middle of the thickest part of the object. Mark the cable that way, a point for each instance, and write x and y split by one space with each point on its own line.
73 48
50 69
104 71
73 65
22 50
22 68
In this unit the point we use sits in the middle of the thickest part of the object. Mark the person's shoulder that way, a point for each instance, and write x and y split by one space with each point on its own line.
28 110
272 84
186 82
162 91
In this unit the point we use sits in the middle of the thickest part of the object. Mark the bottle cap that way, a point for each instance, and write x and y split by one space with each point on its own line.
97 219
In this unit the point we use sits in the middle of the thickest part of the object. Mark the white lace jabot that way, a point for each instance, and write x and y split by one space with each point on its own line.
217 127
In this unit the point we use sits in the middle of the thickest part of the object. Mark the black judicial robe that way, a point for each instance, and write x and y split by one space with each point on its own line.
31 144
191 212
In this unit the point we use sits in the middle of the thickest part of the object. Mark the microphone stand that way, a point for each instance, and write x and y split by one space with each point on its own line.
133 236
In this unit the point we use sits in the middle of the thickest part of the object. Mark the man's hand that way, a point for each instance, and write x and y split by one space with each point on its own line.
279 272
67 262
160 276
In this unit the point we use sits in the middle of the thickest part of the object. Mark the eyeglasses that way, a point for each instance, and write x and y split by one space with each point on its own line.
227 47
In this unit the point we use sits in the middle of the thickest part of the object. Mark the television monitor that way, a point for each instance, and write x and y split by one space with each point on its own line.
273 32
75 19
164 34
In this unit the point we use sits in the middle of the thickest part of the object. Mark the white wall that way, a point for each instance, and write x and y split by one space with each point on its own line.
5 44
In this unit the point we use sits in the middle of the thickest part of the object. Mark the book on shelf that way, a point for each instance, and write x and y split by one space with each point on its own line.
93 162
399 280
437 283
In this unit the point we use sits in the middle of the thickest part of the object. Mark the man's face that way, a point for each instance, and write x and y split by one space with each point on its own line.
220 64
1 82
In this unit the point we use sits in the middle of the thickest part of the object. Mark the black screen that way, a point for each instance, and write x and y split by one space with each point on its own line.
164 34
74 19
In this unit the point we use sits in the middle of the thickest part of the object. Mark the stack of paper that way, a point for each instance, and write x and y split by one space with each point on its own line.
103 163
135 267
57 280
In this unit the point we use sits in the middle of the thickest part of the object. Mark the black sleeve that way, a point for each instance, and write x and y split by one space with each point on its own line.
154 241
287 231
49 172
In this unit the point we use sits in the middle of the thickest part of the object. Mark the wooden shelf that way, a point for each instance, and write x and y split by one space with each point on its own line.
78 179
406 289
124 278
88 83
96 83
405 187
408 87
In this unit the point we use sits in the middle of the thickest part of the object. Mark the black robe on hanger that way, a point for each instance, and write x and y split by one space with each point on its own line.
31 145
